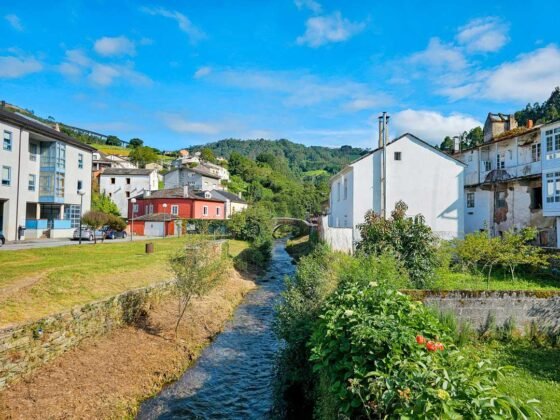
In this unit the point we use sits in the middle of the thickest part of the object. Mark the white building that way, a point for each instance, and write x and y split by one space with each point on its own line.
198 178
42 171
121 184
234 203
429 181
102 160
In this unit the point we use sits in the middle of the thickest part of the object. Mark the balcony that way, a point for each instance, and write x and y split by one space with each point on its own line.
511 172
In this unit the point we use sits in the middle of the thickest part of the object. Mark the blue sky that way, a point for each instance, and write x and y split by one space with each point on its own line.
177 73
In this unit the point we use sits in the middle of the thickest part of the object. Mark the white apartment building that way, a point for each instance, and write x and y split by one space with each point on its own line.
121 184
42 171
504 186
429 181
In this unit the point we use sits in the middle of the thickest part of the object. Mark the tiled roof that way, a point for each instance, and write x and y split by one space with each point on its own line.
178 193
127 171
156 217
199 171
234 198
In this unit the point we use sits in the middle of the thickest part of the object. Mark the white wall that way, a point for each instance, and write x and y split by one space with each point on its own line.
479 217
117 191
429 182
339 239
550 164
341 205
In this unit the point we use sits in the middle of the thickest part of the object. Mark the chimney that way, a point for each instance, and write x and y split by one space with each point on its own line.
529 123
147 193
240 194
185 191
380 138
456 144
57 127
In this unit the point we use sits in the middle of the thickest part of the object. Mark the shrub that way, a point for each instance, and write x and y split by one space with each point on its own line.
410 240
379 354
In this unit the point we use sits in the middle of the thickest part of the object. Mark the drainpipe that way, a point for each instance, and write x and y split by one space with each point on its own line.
18 184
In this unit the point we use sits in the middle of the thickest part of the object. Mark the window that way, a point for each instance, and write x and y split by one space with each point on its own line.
127 194
151 208
338 191
205 211
552 140
80 186
500 199
470 200
127 181
135 208
32 182
175 209
398 156
80 161
345 188
113 180
7 141
487 165
500 161
72 213
217 211
553 187
536 152
6 175
33 152
536 198
146 209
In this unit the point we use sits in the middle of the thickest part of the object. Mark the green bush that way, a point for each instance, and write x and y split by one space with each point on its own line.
410 240
370 364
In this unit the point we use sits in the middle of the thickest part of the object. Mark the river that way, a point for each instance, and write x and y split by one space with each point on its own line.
233 377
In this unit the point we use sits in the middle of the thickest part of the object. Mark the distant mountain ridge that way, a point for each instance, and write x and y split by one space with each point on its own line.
300 158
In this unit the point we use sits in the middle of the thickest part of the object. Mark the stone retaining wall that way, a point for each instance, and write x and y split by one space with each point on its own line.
523 307
25 347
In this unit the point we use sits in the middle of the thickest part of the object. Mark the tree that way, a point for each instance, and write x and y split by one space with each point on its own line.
207 155
116 222
103 203
135 142
475 137
113 141
142 155
95 220
197 270
447 144
515 250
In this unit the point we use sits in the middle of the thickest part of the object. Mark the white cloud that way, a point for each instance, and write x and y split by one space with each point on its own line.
429 125
439 55
103 75
114 46
202 71
181 125
487 34
312 5
15 21
366 102
12 67
321 30
183 21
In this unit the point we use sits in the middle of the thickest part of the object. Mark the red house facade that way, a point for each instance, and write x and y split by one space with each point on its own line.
162 208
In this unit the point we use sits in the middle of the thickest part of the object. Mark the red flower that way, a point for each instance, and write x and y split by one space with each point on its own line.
439 346
420 339
431 346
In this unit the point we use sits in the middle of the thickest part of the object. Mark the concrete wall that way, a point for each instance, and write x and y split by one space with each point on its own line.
118 191
523 307
339 239
24 348
341 203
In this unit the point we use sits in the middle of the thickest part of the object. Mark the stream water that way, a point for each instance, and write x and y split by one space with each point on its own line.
233 377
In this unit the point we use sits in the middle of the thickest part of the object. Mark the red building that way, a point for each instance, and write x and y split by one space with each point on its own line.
156 213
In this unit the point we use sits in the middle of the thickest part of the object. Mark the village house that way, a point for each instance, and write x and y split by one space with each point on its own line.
102 161
429 181
503 180
234 203
155 213
45 179
198 178
120 184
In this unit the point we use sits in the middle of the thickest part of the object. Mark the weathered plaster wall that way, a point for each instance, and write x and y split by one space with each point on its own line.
339 239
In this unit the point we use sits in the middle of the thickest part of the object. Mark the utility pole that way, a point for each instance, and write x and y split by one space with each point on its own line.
383 137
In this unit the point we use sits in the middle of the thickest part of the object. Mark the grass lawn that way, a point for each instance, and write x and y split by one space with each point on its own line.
535 374
38 282
448 280
317 172
112 150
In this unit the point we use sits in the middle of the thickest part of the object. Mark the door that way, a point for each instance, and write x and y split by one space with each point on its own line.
153 228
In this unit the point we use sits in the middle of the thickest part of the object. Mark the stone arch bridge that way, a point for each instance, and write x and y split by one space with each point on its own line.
281 221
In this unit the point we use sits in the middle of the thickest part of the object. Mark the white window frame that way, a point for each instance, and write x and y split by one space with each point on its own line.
552 190
175 209
6 182
500 161
80 161
397 156
32 182
135 208
8 142
552 143
217 211
536 152
78 184
470 200
205 210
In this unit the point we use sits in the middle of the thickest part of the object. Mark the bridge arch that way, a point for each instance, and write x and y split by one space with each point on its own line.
293 221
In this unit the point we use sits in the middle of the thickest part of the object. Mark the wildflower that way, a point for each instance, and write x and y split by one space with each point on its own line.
405 394
442 394
420 339
431 346
348 312
439 346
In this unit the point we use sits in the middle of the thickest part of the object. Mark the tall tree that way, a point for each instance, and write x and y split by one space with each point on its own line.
142 155
135 142
113 141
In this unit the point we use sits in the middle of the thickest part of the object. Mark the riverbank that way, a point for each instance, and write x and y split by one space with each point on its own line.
107 377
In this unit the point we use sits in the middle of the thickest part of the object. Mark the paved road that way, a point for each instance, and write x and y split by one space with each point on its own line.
51 243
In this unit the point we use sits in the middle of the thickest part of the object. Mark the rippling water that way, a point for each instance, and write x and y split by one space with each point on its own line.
233 378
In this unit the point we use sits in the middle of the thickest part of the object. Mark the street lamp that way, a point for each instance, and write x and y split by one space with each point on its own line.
164 215
133 201
81 193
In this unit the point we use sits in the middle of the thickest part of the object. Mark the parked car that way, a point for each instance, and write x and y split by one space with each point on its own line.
88 233
114 234
2 239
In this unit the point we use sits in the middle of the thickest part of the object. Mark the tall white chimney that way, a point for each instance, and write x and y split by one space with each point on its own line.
456 144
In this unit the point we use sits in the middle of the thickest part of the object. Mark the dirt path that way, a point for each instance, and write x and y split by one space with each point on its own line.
106 377
12 289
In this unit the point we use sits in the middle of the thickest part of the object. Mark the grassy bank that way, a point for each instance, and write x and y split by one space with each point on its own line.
448 280
107 377
38 282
